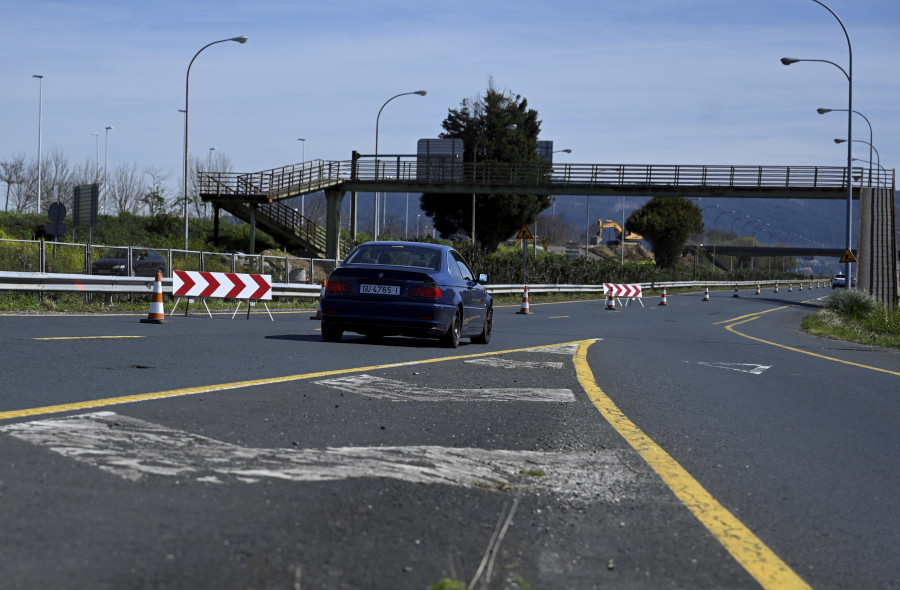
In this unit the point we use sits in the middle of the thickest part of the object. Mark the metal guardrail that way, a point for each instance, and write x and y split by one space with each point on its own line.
73 283
39 256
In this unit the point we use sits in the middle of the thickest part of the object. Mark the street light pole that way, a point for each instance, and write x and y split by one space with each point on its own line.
97 158
187 93
822 111
302 141
871 147
40 132
106 168
377 121
849 74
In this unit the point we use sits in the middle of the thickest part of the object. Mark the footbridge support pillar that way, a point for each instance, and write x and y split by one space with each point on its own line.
334 198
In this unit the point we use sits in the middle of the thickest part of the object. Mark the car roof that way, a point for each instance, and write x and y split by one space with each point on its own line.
400 243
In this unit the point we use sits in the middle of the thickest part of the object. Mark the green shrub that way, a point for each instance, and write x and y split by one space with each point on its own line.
853 303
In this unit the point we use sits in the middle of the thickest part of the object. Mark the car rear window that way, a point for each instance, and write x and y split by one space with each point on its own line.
408 256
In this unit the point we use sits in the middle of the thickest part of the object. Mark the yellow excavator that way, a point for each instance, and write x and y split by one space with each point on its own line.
609 223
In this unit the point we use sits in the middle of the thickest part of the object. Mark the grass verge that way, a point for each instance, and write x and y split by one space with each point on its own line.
856 317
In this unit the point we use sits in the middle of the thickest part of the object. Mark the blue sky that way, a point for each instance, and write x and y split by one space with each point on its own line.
644 81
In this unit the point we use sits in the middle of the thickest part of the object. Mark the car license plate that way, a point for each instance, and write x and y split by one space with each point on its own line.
379 289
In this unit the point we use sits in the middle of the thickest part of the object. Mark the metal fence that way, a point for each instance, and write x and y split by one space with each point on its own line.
38 256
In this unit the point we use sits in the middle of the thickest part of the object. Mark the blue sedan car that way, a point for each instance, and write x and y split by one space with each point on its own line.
407 289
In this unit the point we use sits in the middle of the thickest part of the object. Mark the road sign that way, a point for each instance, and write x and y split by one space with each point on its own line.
55 229
847 257
57 212
86 198
188 283
525 234
622 290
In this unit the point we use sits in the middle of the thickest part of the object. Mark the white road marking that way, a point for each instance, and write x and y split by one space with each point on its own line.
511 364
566 349
751 368
399 391
136 450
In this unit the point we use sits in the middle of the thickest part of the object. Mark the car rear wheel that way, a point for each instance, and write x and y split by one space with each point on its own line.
331 333
485 336
451 338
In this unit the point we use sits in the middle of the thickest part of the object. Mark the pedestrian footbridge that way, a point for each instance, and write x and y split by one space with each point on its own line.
255 197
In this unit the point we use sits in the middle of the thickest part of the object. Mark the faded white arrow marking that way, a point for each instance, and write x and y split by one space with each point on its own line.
134 449
399 391
751 368
566 349
511 364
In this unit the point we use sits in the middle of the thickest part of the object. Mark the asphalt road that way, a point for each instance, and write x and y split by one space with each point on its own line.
696 445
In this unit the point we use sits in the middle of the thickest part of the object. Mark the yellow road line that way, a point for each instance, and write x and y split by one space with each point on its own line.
141 397
730 328
85 337
752 315
759 561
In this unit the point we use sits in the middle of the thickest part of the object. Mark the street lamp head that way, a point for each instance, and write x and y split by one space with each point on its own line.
789 60
241 39
37 76
823 111
836 140
109 127
567 151
421 92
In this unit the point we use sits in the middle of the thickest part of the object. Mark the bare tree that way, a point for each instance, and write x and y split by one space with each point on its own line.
126 188
214 162
12 172
154 200
57 179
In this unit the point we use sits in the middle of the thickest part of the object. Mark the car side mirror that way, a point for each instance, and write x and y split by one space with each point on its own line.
483 278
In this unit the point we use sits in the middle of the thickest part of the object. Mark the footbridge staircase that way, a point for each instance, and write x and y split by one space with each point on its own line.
257 198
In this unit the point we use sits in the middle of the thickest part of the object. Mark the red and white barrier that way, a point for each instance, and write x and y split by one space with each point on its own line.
617 290
223 285
227 285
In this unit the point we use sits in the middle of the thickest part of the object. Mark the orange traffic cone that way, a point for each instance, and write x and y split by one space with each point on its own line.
776 288
663 302
611 302
525 310
157 313
758 287
790 288
706 295
318 315
801 286
735 292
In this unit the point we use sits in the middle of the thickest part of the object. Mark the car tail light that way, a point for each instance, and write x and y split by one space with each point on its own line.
337 287
427 291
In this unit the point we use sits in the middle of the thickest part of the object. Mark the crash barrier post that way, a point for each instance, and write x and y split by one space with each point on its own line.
525 309
615 290
157 313
224 285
